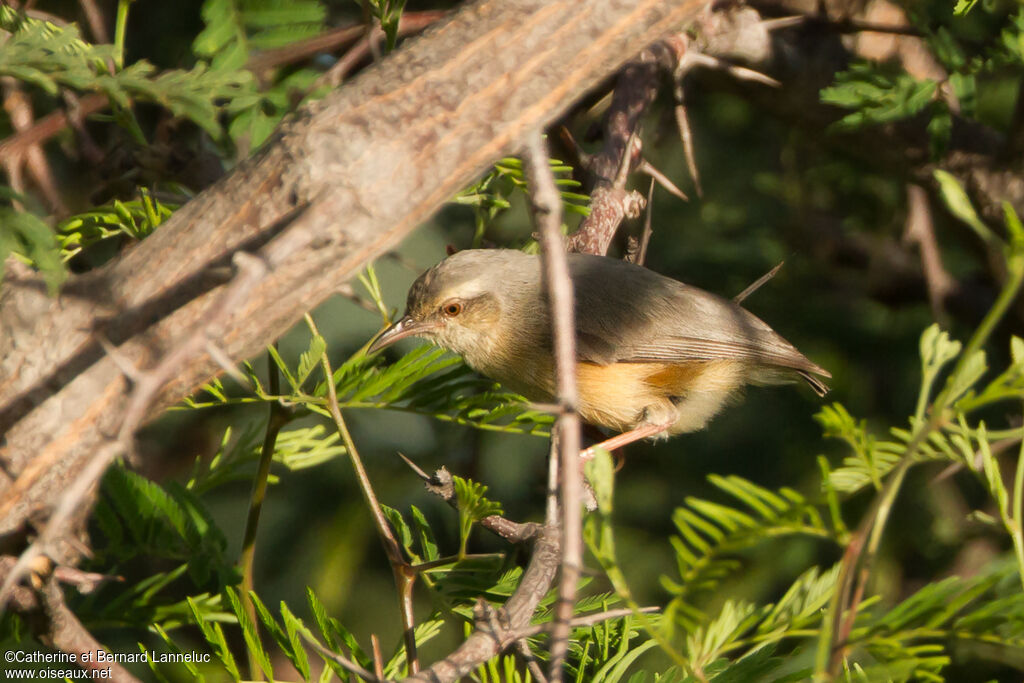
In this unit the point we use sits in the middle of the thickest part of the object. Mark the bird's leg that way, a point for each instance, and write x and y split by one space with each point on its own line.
642 432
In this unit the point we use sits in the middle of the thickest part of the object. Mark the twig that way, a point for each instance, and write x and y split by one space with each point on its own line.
405 577
94 17
845 25
378 659
546 206
19 110
920 230
589 619
409 22
442 486
694 59
277 419
67 634
686 136
647 167
523 646
645 237
635 89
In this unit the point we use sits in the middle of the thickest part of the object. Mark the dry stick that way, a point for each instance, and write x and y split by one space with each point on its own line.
920 229
443 486
515 615
546 206
588 620
686 136
378 659
411 22
19 110
650 169
148 384
48 126
67 634
277 419
96 21
404 575
635 88
523 646
645 237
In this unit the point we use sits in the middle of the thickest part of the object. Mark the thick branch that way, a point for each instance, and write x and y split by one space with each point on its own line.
369 163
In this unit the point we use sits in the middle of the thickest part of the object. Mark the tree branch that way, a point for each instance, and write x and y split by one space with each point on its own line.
384 153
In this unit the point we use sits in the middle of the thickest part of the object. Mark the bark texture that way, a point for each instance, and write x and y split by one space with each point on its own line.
340 183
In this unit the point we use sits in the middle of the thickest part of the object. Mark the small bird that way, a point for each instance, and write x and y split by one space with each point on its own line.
654 357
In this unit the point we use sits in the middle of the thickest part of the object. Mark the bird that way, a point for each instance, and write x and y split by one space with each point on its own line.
654 357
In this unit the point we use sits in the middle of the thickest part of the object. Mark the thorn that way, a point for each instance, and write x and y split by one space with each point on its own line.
626 163
122 362
221 358
757 284
646 167
782 22
415 468
686 135
645 238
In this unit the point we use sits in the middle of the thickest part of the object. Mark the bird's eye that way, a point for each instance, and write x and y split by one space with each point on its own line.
451 309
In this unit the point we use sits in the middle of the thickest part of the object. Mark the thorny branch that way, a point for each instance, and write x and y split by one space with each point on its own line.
147 386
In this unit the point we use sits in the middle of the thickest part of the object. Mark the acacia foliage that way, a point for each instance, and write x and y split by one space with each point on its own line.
187 593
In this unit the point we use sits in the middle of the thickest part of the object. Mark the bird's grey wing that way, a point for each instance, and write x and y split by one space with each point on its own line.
675 322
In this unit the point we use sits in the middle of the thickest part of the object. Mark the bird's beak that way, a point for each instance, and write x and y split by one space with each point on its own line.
406 327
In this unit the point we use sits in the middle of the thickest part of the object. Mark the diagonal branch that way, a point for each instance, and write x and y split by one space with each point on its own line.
385 152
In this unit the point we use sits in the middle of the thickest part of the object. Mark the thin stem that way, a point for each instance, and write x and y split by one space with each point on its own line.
404 575
873 525
1017 530
546 205
119 31
275 421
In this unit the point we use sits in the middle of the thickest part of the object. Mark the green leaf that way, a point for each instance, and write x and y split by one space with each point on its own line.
250 633
473 506
959 205
877 94
26 235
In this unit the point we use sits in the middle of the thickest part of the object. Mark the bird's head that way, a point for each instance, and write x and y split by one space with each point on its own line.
464 304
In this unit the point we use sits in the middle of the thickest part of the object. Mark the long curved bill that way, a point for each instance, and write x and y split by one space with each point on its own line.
406 327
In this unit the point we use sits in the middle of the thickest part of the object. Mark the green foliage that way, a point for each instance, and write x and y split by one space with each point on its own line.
234 30
425 381
29 237
138 517
134 219
964 416
877 95
235 459
493 193
388 13
50 57
710 532
473 506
